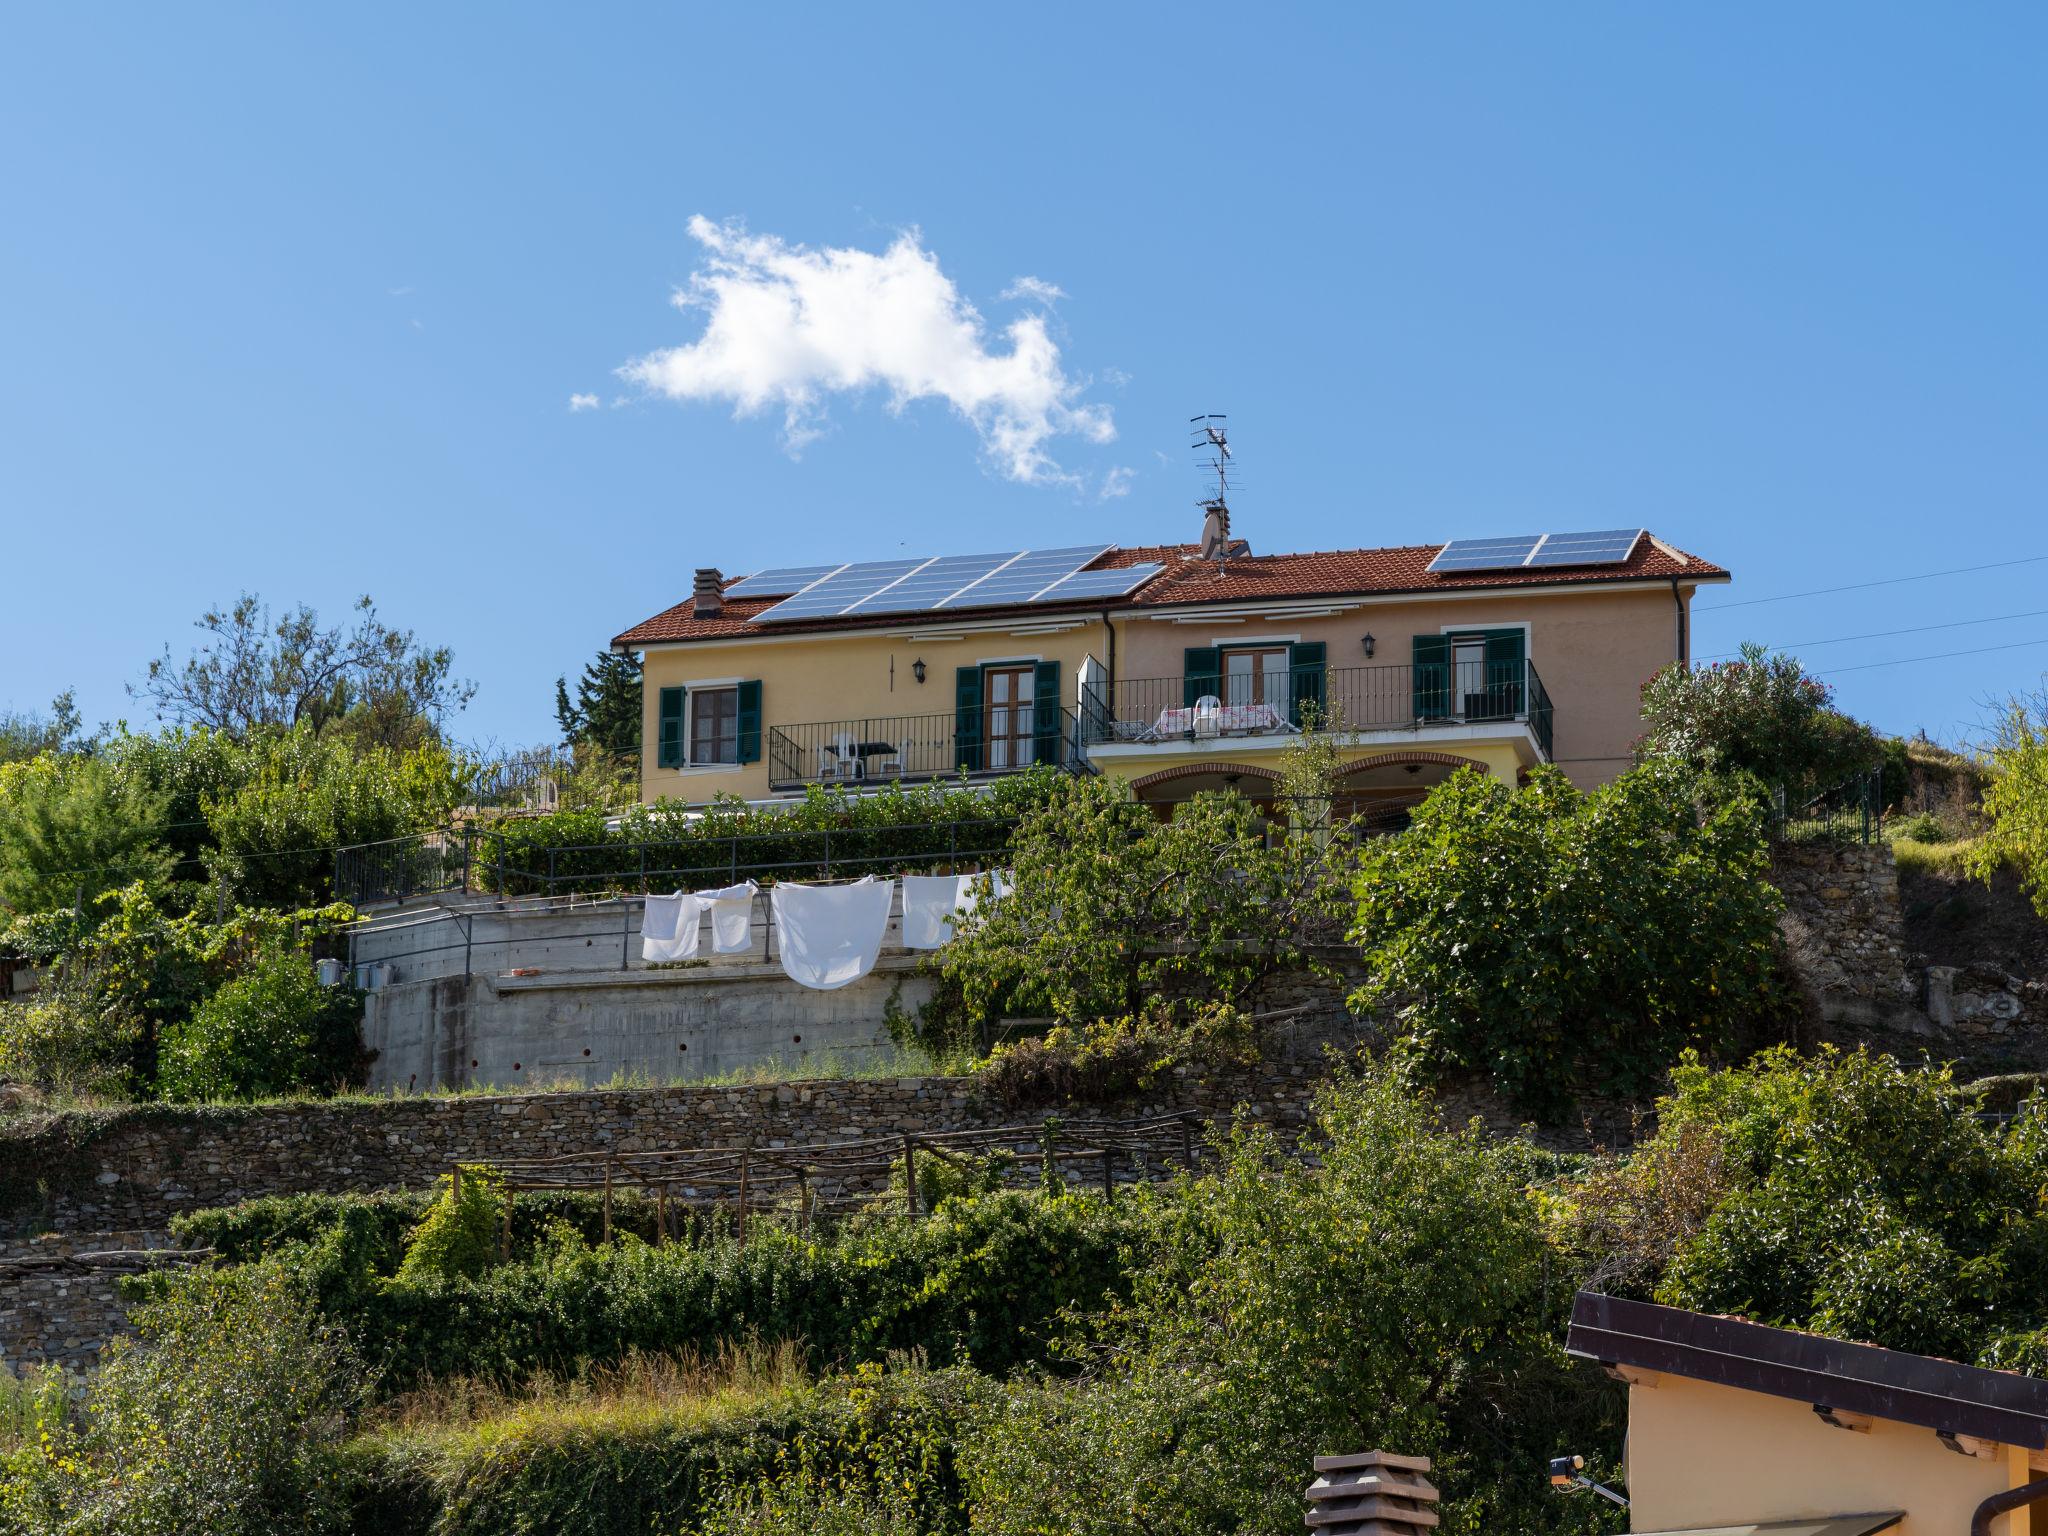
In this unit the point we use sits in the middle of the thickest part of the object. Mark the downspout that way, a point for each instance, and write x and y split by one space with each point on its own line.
2003 1503
1682 639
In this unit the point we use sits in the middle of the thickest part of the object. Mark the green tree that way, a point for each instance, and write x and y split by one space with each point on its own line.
74 824
68 1039
1544 934
1762 714
253 672
2016 801
1390 1293
26 735
606 709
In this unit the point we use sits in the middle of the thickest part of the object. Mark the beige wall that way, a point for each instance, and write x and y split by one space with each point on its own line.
1704 1455
830 678
1593 651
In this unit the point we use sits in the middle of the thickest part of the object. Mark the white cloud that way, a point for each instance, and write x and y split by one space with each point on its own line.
1117 483
584 402
787 326
1036 289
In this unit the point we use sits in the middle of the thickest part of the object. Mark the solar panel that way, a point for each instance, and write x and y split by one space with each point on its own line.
1609 548
839 591
928 587
1485 554
1024 577
1111 583
779 582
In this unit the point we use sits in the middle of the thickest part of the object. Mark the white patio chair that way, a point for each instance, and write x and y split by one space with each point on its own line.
1208 717
830 763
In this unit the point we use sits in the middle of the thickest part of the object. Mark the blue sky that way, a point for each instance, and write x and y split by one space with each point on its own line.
297 301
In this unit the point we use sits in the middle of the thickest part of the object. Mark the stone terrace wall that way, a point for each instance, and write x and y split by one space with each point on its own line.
138 1168
1843 928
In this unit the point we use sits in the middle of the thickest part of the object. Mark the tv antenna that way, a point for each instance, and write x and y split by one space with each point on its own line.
1211 442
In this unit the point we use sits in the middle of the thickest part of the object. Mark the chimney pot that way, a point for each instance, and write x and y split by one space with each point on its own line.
706 599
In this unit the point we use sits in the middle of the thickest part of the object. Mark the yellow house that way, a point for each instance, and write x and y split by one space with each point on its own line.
1177 668
1734 1427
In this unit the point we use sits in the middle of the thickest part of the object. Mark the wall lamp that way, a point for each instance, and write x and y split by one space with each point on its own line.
1368 642
917 669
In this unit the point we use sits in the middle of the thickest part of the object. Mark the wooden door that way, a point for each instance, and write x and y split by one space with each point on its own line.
1008 717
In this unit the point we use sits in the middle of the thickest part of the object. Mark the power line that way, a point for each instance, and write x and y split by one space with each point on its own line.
1859 586
1983 650
1886 634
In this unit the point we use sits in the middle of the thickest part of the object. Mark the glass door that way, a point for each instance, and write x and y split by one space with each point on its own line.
1008 717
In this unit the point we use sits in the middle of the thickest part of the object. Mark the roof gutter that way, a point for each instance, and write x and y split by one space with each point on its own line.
1683 638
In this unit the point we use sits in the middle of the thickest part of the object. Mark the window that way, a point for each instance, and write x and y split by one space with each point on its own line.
1258 675
714 725
1008 716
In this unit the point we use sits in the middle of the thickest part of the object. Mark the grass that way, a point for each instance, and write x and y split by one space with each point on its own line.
17 1409
1940 858
461 1417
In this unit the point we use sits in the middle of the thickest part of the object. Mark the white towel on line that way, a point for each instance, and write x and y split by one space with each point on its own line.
668 928
929 905
732 916
831 935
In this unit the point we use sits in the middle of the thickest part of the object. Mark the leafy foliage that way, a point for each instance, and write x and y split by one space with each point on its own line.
1111 906
2016 802
274 1029
1761 714
66 1039
27 735
252 672
1543 933
72 825
1391 1294
458 1238
226 1417
1118 1058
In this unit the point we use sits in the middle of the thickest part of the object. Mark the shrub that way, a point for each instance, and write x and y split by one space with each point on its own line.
67 1039
2016 803
272 1030
1118 1058
226 1417
459 1236
1761 714
72 826
1544 934
1845 1194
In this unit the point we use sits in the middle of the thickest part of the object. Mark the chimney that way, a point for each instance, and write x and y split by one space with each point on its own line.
1374 1493
705 599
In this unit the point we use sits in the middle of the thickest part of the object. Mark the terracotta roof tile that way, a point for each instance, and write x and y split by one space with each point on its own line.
1187 579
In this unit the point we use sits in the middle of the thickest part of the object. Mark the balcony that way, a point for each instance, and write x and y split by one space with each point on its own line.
912 748
1447 698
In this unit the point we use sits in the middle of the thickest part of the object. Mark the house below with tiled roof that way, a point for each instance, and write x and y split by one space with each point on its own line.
1178 668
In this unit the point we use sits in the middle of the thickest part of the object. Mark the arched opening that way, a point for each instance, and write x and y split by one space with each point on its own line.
1169 787
1383 791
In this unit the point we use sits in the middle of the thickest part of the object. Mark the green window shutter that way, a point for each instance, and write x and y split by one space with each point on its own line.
1432 671
1201 673
967 718
1506 651
748 710
1045 713
669 738
1308 666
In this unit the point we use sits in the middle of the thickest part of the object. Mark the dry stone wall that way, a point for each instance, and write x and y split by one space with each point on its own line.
1844 932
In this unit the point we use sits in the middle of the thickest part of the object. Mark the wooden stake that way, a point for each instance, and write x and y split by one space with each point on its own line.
661 1217
607 1199
743 1197
910 1175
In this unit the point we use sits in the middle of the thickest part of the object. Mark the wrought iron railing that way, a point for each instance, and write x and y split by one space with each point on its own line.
400 868
1394 697
885 749
1847 812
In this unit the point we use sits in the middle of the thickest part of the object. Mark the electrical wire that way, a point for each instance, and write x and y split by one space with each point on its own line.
1885 634
1865 666
1860 586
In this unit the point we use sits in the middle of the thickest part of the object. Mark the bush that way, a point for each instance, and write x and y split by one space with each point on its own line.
1842 1193
2016 803
1544 935
1761 714
272 1030
226 1417
72 826
1118 1058
459 1236
66 1039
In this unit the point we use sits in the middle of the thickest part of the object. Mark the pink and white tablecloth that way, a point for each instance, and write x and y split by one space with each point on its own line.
1231 717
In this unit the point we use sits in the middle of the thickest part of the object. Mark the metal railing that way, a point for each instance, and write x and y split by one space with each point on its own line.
400 868
1393 697
889 748
1847 812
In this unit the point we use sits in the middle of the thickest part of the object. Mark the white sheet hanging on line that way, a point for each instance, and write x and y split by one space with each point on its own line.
830 935
668 928
929 905
732 916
